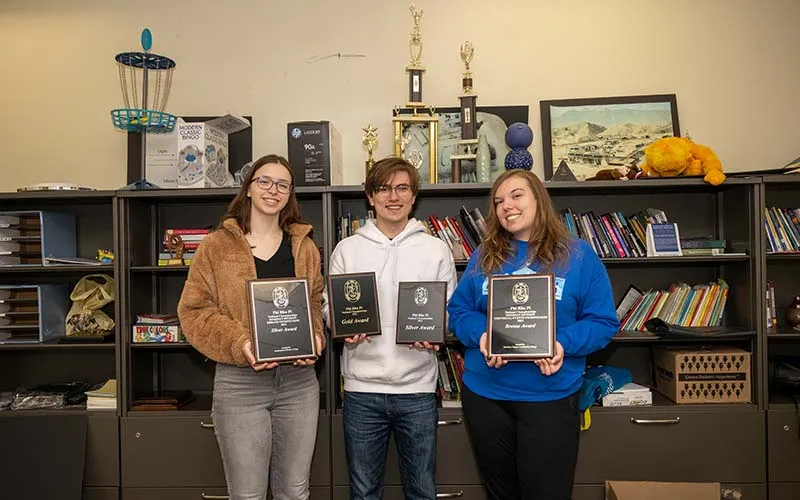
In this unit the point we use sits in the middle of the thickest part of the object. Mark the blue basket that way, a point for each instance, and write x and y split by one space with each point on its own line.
141 120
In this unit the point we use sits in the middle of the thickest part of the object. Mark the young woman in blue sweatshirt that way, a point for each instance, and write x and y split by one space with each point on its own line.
523 416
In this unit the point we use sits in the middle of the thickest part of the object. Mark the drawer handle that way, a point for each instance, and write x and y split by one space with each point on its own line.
656 421
455 494
449 422
208 426
214 497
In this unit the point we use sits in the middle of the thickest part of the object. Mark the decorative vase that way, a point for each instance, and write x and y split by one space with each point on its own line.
793 312
483 160
519 137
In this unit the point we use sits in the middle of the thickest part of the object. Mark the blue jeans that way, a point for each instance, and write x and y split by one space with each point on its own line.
369 418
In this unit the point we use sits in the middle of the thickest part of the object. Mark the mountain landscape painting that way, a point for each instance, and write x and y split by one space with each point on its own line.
593 134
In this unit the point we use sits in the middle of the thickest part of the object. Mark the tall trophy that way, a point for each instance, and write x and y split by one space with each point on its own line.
415 126
369 139
467 146
414 68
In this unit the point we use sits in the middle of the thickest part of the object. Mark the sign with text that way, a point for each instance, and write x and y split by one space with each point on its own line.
521 316
354 308
280 314
421 312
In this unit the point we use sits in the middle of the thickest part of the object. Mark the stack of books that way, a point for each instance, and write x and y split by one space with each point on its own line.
103 397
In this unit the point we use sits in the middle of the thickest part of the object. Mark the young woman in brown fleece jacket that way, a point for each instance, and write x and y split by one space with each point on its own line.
265 414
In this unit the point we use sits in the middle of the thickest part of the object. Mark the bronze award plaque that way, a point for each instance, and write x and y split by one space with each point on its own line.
354 308
421 312
280 314
521 318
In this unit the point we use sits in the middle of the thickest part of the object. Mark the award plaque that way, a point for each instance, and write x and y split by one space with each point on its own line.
354 307
280 313
521 316
421 312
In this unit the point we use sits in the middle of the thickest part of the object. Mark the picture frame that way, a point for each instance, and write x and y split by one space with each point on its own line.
492 122
592 134
415 138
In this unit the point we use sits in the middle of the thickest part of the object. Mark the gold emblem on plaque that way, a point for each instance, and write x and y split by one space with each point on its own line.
352 291
520 293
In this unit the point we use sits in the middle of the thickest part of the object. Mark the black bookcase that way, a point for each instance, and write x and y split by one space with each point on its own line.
174 454
27 365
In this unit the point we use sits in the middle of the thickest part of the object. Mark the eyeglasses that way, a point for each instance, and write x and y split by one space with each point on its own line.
402 190
266 183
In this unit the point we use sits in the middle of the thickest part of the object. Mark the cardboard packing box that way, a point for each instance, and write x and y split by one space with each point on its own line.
315 153
652 490
719 374
194 154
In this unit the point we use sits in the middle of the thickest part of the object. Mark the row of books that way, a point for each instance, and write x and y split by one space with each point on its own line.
783 229
772 314
461 237
700 305
612 234
157 327
451 370
189 238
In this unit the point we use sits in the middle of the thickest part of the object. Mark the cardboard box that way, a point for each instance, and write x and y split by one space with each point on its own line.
652 490
315 153
194 154
630 394
717 374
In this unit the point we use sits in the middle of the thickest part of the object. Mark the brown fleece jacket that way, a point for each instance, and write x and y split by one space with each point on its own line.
214 309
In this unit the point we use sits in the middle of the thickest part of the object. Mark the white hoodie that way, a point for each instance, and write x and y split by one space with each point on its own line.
382 366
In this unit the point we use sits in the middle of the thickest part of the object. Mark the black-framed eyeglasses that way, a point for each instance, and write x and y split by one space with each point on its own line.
266 183
402 190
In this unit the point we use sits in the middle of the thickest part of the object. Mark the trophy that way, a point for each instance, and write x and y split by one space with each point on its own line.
414 68
467 146
415 127
369 139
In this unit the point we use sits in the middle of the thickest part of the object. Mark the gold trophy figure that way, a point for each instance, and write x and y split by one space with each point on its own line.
369 139
467 53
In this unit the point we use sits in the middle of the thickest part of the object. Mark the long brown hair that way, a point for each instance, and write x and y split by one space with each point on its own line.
549 239
239 208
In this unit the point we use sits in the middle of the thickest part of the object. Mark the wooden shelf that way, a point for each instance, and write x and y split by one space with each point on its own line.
66 268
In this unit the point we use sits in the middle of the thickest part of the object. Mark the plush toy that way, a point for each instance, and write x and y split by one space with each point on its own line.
621 173
674 156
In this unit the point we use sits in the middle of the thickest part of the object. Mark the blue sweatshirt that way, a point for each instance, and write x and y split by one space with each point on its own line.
586 320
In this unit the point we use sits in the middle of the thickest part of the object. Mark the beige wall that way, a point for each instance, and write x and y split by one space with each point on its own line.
734 65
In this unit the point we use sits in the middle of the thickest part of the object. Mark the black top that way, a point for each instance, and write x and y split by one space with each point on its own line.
280 265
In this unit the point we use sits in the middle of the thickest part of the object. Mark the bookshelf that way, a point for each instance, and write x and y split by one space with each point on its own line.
780 283
667 441
28 365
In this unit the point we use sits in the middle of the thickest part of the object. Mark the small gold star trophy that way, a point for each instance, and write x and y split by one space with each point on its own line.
469 127
369 139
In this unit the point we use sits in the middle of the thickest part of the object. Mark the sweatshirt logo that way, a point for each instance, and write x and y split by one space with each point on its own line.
421 296
280 297
520 293
352 291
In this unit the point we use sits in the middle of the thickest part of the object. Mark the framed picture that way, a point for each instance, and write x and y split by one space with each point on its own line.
592 134
415 139
492 123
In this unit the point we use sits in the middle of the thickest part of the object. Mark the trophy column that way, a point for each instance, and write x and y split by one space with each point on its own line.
414 68
466 147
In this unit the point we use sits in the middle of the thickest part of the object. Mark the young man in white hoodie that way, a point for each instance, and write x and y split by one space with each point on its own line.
390 388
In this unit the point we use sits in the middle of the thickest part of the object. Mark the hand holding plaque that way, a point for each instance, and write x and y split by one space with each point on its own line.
521 317
354 307
280 314
421 312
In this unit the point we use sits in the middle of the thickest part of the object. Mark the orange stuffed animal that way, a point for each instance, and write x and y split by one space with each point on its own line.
679 156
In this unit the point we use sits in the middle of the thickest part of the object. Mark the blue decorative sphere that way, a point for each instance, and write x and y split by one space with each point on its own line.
519 159
519 135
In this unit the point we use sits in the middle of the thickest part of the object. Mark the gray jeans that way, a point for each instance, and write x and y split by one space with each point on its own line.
266 427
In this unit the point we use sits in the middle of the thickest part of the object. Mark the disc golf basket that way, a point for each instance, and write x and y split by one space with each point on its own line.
145 112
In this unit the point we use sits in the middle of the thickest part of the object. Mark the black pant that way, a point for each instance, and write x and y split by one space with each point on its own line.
524 450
